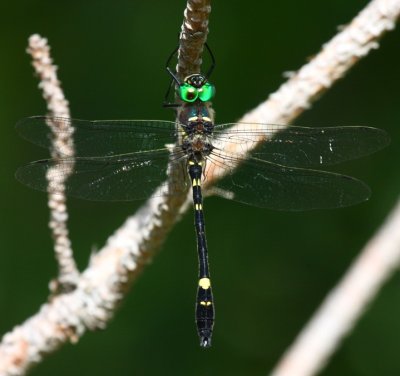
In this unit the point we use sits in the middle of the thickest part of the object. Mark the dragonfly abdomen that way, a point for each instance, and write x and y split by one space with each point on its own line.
204 301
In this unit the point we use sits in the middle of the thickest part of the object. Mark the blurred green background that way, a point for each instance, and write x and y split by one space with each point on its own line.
270 269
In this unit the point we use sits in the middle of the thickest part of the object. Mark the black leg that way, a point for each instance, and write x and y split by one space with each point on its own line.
174 81
212 61
169 70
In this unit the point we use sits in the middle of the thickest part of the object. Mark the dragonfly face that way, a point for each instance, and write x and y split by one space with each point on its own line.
197 80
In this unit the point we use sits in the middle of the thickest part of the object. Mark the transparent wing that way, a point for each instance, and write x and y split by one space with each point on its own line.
273 186
302 146
101 138
117 178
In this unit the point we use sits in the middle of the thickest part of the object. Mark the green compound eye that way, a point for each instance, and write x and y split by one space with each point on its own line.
206 92
188 93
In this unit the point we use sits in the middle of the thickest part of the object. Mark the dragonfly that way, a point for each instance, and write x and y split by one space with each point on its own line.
264 165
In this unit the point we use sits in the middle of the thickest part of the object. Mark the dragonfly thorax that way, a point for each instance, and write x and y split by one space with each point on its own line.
198 126
197 146
194 114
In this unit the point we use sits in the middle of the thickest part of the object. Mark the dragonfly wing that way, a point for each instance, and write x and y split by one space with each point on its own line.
273 186
301 146
117 178
100 138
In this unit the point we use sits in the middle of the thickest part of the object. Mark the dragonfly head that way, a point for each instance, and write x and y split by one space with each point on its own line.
196 87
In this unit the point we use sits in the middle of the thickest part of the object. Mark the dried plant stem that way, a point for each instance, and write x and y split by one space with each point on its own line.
193 36
62 146
344 305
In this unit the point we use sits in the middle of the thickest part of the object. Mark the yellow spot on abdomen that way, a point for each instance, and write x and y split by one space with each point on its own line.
206 304
198 207
204 283
196 182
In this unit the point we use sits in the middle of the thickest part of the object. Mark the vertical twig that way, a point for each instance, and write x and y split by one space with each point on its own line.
193 36
62 146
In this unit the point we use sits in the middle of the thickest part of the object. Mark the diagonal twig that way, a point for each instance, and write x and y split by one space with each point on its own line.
344 305
306 85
